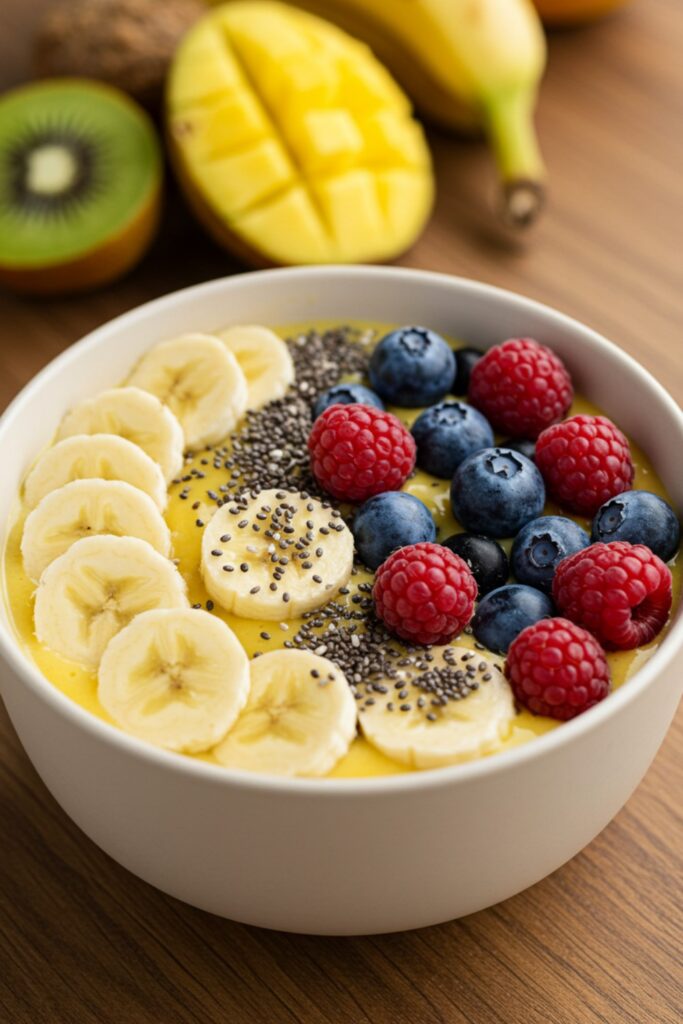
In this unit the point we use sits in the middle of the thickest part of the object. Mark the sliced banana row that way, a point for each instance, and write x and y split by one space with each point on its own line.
209 381
95 456
177 678
135 415
300 718
458 730
87 508
202 385
94 589
275 556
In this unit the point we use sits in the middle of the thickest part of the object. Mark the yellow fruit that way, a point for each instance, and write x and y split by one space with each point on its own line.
294 145
467 64
573 12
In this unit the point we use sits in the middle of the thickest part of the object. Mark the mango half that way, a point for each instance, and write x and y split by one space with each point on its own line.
292 142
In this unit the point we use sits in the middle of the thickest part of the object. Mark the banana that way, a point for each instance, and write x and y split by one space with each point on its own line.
95 456
467 64
299 720
135 415
200 380
95 588
264 359
462 729
175 677
85 508
275 555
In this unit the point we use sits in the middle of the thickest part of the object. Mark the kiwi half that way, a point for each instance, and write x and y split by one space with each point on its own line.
80 185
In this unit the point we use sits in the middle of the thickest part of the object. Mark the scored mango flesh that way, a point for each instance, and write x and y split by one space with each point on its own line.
294 144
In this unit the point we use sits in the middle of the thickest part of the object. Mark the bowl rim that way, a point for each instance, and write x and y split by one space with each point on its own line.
335 788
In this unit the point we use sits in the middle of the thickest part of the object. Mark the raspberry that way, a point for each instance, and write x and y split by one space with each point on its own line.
557 669
357 451
584 461
621 592
424 593
521 387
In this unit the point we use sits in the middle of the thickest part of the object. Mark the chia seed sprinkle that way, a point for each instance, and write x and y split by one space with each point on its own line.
270 448
372 658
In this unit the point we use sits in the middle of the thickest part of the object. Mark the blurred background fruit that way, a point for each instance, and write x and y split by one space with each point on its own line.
574 12
127 43
467 64
80 185
292 142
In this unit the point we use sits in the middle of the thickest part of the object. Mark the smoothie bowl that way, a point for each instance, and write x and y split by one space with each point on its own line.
235 705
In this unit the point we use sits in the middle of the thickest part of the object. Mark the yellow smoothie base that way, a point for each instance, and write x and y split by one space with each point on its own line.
362 760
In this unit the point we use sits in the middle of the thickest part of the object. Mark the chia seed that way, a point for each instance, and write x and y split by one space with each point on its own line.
270 449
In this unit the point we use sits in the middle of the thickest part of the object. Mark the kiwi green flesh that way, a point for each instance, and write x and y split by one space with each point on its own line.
78 162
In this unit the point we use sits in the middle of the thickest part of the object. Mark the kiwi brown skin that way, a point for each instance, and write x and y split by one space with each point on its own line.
126 43
93 269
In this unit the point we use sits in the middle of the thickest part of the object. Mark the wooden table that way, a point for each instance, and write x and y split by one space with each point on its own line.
81 940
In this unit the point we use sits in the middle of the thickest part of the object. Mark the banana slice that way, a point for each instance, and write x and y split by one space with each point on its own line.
299 720
95 588
275 555
200 380
87 508
264 359
176 677
136 415
95 456
461 730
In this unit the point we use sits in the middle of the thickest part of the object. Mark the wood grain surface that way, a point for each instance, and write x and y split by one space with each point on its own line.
81 940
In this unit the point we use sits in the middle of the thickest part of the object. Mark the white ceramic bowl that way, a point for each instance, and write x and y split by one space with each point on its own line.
344 856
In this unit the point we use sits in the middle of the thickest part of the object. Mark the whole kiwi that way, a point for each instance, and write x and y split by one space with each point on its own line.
126 43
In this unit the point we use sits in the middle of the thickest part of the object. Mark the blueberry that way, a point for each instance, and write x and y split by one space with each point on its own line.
522 445
389 521
496 492
346 394
639 517
411 367
465 358
446 434
540 545
505 612
485 557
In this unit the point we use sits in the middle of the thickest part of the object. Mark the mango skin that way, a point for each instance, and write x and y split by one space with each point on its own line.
292 143
575 12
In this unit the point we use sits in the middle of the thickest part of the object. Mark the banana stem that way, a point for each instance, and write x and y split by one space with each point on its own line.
510 126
